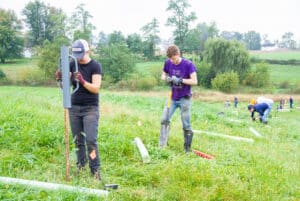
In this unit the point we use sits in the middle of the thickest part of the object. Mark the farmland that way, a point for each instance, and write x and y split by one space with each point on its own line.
32 148
32 143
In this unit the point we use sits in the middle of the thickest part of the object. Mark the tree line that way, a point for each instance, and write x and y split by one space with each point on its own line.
48 28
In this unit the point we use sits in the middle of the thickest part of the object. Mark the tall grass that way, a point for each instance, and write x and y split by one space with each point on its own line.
32 147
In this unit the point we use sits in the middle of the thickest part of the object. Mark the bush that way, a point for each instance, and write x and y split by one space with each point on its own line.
134 83
204 74
284 85
117 61
49 56
258 78
32 77
2 75
156 74
226 82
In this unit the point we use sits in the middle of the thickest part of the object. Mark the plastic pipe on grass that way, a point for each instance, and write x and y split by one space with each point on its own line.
224 136
257 134
143 151
52 186
203 155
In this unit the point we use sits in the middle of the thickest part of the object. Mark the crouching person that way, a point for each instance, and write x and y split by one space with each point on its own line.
263 109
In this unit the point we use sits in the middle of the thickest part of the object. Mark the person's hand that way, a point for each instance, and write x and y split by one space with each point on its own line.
78 77
169 79
58 75
253 119
176 80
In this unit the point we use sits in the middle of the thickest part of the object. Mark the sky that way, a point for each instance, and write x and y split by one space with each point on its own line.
270 17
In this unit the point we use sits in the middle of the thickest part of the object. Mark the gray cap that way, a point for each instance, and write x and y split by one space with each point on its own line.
79 48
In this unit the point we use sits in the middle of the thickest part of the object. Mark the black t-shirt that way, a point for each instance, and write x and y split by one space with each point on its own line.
82 96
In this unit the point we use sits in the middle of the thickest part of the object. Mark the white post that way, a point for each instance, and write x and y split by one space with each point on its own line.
52 186
257 134
142 149
224 136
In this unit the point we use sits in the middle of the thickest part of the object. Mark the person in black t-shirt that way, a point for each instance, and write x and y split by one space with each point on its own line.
84 113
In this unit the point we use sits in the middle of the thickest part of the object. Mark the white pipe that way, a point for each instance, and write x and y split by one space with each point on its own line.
257 134
52 186
224 136
142 149
235 120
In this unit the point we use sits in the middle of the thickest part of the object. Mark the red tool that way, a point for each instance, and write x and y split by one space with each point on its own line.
203 155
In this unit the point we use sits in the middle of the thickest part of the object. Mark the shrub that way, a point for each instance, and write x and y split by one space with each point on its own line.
156 74
204 74
32 77
49 56
258 78
284 85
134 83
2 75
117 61
226 82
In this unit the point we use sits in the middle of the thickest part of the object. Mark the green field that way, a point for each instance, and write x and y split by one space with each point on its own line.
284 73
32 147
276 55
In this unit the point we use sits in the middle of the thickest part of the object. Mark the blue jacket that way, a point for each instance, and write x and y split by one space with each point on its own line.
260 108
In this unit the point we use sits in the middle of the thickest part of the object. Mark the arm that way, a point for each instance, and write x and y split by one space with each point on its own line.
252 116
191 81
164 76
94 87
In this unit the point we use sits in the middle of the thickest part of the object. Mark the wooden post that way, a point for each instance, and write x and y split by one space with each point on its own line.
67 151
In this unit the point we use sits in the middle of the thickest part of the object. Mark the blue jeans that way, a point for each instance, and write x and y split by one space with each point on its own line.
266 114
184 104
84 126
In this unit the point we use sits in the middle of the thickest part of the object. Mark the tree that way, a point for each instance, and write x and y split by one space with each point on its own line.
150 34
116 37
231 35
49 55
102 40
55 24
196 38
11 41
118 61
180 20
287 41
252 40
80 23
135 43
44 23
35 13
226 56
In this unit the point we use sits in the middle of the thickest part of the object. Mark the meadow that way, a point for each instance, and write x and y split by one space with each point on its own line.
32 147
276 55
32 142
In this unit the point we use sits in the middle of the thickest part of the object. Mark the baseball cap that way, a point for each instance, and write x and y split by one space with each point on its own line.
79 48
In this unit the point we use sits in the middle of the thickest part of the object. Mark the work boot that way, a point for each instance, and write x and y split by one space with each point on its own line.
97 175
80 168
188 138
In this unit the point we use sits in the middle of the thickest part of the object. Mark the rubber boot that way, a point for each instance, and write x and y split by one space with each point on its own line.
188 138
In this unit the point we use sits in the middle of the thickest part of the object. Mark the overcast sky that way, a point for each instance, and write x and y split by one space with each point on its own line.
271 17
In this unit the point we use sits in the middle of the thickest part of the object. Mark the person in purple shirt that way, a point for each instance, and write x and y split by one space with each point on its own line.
180 73
262 109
